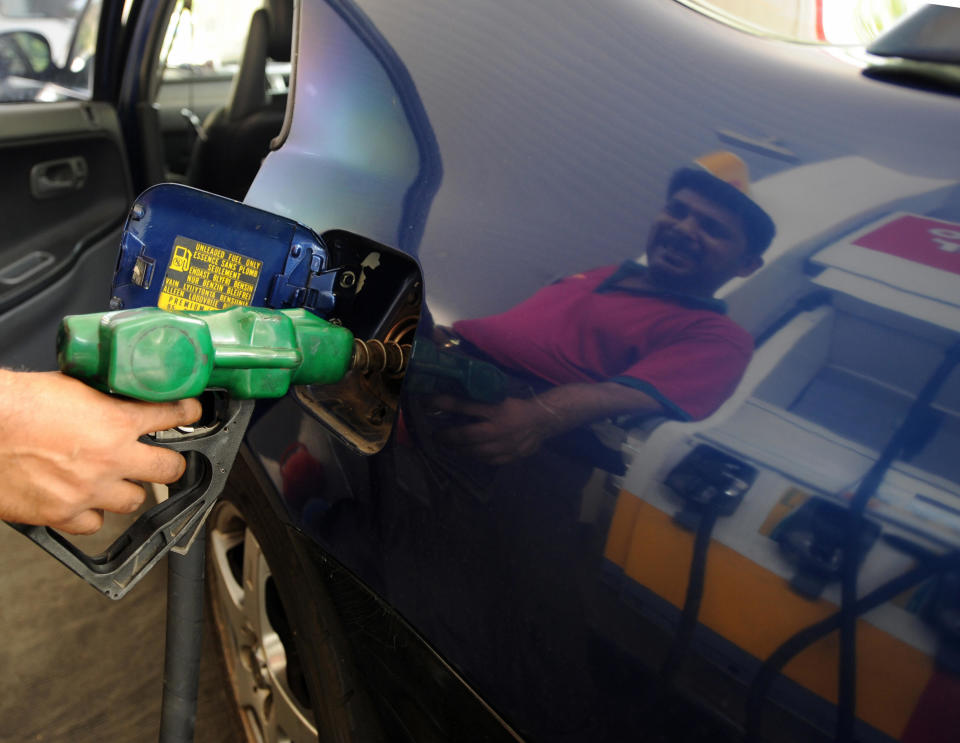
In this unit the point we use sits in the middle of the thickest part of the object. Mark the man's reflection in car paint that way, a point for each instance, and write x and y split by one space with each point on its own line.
619 342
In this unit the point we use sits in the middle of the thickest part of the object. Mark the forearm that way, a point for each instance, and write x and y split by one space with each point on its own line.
14 409
571 405
516 427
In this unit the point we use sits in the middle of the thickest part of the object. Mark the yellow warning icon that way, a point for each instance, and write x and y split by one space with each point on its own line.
181 259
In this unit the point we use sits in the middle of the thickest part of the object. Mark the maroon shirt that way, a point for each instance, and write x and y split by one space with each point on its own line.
681 350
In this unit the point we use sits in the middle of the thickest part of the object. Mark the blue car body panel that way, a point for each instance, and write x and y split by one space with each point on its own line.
505 146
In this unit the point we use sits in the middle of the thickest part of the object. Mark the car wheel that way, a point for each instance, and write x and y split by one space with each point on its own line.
281 648
268 688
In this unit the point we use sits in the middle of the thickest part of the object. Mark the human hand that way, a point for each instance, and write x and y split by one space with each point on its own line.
510 430
69 452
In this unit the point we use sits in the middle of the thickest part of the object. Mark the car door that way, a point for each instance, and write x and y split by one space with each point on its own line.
506 147
97 102
65 183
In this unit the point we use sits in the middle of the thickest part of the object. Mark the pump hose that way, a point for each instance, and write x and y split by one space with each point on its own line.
804 638
691 605
662 684
847 681
184 633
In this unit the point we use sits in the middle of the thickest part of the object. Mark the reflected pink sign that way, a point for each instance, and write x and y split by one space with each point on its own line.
933 242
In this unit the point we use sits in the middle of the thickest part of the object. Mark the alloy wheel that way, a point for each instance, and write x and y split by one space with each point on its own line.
258 650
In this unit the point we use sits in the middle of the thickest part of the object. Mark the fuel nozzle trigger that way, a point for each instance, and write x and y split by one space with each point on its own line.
169 525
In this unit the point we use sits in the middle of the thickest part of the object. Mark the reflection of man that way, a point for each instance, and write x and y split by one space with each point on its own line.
628 340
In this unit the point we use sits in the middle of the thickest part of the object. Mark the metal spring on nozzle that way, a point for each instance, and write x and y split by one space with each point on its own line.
376 356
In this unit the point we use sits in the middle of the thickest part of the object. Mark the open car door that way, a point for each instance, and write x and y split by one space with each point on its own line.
65 182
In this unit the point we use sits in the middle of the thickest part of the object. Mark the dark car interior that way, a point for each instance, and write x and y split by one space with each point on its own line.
234 139
211 129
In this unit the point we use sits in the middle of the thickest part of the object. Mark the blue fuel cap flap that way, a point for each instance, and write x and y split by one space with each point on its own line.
185 249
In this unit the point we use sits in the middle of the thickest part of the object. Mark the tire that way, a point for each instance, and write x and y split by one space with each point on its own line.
280 641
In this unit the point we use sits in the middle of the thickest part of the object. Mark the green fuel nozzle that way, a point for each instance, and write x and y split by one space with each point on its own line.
250 352
157 355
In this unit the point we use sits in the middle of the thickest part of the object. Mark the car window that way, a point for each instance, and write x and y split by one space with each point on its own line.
198 60
47 49
205 38
834 22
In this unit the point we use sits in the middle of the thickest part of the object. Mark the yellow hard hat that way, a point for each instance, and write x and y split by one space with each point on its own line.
724 178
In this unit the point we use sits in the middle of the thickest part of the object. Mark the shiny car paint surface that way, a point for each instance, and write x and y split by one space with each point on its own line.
505 146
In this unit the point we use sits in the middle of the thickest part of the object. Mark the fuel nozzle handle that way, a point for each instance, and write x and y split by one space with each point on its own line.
251 352
155 355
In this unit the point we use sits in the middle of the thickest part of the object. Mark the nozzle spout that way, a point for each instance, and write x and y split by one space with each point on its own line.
379 357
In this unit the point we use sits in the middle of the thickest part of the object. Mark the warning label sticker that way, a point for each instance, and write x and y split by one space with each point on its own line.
204 277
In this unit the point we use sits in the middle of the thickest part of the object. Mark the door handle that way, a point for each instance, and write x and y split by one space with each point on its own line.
58 177
22 269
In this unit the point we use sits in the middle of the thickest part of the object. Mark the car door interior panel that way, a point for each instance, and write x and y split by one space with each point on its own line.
65 185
